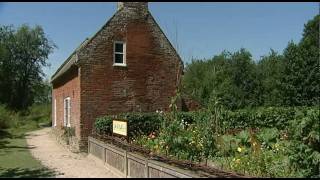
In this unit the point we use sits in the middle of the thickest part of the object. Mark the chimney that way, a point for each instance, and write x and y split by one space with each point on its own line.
141 6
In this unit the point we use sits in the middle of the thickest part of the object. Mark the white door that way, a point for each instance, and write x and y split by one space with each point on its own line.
67 112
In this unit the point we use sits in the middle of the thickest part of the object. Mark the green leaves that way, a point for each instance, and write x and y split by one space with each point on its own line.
268 135
283 142
138 123
288 79
23 53
301 77
228 76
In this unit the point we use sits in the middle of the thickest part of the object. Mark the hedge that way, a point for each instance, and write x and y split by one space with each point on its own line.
138 123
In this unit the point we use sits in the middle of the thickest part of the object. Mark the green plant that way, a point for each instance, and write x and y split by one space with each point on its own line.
5 117
268 136
68 132
244 137
305 145
255 143
138 123
103 125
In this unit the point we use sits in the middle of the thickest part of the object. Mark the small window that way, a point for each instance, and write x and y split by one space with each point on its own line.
119 54
67 112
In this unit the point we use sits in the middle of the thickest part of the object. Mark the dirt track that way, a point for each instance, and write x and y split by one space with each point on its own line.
67 164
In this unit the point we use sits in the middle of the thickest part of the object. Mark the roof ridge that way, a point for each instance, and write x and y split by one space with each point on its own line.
80 47
68 59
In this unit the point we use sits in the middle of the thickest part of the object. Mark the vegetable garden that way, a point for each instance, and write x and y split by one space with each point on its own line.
262 142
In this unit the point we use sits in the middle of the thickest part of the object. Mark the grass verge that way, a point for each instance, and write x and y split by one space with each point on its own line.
15 157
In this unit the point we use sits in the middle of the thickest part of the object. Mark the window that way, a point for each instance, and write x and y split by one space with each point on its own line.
67 109
119 55
55 113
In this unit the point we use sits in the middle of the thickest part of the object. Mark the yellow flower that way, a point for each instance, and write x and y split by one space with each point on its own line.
238 161
239 149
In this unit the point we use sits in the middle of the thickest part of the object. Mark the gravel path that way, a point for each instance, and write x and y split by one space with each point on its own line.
67 164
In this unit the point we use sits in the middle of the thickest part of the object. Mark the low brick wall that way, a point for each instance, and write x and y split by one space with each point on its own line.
131 165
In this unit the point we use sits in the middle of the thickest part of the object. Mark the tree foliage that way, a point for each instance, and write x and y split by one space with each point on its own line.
288 79
230 77
301 77
23 53
270 70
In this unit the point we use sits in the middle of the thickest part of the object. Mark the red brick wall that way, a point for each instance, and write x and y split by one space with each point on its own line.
67 86
146 84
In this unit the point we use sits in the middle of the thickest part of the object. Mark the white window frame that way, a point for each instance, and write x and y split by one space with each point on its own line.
55 113
124 63
67 115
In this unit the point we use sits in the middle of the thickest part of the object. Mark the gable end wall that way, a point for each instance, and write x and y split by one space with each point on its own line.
147 83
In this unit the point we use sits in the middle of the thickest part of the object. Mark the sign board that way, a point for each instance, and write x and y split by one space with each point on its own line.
120 127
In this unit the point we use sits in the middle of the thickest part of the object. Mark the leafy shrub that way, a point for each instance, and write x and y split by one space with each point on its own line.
296 154
306 127
277 117
268 163
244 137
138 123
68 132
4 117
187 117
304 161
305 144
28 119
268 136
227 144
103 125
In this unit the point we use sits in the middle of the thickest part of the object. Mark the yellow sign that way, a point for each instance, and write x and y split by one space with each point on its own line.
119 127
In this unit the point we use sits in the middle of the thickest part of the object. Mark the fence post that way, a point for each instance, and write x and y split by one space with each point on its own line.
125 164
147 169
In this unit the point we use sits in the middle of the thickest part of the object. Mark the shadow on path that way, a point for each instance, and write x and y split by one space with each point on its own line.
13 146
27 173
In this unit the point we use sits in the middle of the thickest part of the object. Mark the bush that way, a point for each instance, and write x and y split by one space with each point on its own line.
292 152
277 117
4 117
103 125
268 136
304 149
138 123
31 118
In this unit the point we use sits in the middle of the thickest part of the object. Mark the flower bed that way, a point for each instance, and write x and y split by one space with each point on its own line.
266 150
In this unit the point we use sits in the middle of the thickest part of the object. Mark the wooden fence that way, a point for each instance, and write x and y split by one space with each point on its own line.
128 164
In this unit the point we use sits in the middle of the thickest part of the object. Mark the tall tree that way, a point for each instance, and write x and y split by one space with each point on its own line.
301 73
270 70
244 76
24 51
230 77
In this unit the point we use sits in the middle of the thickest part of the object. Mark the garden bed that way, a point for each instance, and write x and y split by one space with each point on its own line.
201 170
255 144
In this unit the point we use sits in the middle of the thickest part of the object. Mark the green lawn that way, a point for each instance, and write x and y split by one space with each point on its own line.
15 157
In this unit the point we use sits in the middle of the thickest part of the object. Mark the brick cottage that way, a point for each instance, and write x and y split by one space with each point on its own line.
128 65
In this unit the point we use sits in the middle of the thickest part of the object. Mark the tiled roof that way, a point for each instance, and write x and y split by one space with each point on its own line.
69 62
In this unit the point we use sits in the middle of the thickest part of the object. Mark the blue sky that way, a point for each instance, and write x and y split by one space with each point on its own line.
200 30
